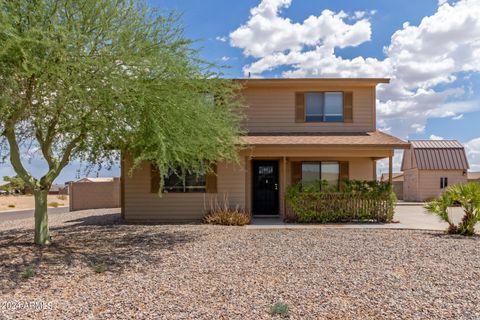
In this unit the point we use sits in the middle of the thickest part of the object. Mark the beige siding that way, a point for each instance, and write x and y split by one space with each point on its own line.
429 182
233 181
94 195
361 169
142 205
273 110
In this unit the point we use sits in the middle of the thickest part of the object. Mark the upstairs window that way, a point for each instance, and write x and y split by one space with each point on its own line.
443 182
324 106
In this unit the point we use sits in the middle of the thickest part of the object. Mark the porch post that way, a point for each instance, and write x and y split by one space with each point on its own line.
284 187
390 164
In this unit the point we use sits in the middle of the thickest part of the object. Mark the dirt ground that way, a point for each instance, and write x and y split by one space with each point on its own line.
10 203
99 267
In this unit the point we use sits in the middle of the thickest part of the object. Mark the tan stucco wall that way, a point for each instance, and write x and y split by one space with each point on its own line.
272 109
429 182
423 185
94 195
398 189
410 185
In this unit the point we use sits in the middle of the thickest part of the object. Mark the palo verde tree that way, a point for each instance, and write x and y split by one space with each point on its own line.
85 79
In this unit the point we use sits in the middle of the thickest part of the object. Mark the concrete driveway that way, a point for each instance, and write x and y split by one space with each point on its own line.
407 216
416 217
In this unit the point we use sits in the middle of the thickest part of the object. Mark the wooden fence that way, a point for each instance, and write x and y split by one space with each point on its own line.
339 207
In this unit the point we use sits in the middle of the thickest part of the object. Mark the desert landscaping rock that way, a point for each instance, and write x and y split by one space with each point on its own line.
214 272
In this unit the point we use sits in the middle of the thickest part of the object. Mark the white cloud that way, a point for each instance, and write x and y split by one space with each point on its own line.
382 165
418 58
472 148
267 33
221 38
359 14
459 117
225 58
434 137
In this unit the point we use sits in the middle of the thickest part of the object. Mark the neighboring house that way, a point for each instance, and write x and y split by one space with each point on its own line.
94 193
473 177
298 130
397 183
430 166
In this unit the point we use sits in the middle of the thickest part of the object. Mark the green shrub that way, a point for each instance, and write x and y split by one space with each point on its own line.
28 272
279 309
357 201
466 195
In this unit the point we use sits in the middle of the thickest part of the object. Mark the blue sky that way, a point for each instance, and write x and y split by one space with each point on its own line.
440 101
429 48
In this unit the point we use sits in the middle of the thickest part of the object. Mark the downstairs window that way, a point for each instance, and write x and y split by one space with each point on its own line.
191 183
314 171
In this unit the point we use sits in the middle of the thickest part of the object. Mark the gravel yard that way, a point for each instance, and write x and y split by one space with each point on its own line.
210 272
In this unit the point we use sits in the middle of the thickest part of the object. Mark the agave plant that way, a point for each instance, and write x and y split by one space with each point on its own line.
466 195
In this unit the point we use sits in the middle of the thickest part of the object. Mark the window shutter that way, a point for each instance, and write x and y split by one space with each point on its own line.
348 107
344 174
296 172
211 181
154 179
299 107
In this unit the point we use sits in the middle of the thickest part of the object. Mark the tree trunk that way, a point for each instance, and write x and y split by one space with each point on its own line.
42 235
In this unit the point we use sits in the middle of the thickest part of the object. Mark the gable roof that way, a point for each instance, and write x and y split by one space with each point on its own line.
359 139
439 155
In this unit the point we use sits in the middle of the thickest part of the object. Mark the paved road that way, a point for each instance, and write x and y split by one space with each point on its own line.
28 213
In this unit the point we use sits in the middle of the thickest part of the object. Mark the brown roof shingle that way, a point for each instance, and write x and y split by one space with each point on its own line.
361 139
439 155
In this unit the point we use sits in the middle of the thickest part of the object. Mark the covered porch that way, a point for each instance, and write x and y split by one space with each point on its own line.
273 162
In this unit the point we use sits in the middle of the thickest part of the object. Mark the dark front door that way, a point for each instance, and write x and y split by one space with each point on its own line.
265 188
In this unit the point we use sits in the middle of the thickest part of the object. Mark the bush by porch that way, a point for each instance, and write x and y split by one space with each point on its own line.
361 201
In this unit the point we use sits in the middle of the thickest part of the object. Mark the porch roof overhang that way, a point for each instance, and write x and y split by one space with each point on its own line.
279 82
367 140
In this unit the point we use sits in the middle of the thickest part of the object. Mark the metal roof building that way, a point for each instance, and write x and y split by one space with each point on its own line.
438 155
430 166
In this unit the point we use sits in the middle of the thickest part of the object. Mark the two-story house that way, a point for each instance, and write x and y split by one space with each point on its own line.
298 130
